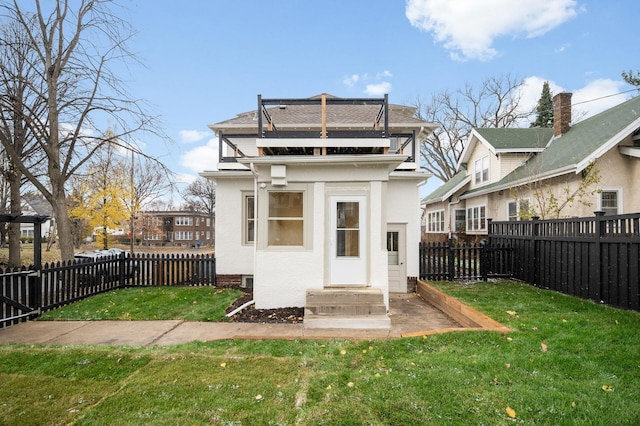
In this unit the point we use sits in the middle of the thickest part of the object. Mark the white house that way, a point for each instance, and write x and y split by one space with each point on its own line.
35 205
318 203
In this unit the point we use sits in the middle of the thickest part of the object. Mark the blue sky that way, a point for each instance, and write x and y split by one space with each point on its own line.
206 61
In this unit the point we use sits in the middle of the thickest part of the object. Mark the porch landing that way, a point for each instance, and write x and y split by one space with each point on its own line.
356 308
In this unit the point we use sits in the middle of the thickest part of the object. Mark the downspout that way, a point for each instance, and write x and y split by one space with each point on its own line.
449 204
255 233
255 229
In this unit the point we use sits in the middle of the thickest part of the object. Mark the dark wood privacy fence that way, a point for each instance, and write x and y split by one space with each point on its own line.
27 292
450 261
595 258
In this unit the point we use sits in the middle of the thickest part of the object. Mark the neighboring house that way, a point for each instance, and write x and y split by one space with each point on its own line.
511 174
36 205
318 193
182 227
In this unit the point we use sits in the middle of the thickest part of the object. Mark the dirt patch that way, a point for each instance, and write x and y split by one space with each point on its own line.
272 316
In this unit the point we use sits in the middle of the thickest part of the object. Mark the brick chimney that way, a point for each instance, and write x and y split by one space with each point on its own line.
561 113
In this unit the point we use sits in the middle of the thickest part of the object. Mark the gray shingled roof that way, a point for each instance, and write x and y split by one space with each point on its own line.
292 115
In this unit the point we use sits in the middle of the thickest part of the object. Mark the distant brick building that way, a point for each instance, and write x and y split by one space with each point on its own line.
182 228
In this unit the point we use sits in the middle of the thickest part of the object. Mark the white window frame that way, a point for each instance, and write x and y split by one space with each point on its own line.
476 221
456 223
247 238
618 192
435 221
519 208
300 218
183 235
183 221
481 170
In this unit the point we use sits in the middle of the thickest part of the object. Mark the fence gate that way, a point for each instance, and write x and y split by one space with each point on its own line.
450 261
21 288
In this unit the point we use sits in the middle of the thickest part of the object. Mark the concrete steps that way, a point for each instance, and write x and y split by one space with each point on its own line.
351 308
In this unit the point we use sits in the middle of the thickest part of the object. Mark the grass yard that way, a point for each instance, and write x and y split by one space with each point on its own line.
568 361
150 303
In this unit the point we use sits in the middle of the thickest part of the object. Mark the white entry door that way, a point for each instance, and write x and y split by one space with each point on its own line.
396 234
348 240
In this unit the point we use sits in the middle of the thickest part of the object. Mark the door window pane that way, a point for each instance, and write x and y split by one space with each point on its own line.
392 247
347 228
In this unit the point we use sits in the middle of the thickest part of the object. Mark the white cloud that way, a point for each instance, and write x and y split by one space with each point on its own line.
351 80
562 48
378 88
184 178
201 158
597 96
190 136
468 28
384 74
532 89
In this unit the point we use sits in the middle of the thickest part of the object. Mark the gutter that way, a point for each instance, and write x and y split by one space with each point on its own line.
520 182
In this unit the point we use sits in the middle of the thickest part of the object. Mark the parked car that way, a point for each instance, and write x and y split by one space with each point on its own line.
106 271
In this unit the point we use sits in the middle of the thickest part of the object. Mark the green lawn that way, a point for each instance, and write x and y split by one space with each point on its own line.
568 361
150 303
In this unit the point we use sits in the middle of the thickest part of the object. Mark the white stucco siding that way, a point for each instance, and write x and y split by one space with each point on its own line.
283 277
403 206
232 255
379 264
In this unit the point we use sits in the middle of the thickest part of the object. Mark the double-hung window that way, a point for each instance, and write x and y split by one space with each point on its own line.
435 221
286 218
249 230
481 169
610 202
460 220
183 235
518 209
476 218
184 221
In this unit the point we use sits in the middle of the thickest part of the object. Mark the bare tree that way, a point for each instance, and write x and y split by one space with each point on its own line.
495 104
201 195
547 199
76 53
18 99
148 181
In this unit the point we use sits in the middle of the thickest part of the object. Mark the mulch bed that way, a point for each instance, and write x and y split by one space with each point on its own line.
275 316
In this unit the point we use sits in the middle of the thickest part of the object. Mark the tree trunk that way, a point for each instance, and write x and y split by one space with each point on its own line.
63 223
14 228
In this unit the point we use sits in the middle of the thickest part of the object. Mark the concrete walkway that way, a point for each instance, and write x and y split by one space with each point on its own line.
409 313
